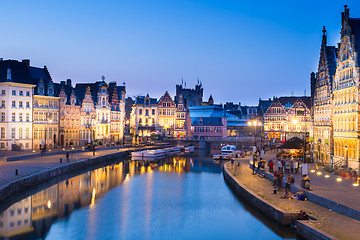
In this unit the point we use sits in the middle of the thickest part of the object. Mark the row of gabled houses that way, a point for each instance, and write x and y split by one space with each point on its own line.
37 113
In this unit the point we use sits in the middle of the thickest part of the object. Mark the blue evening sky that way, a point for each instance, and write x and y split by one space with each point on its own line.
240 50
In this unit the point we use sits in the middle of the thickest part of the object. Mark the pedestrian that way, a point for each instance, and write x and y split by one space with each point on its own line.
271 166
287 166
279 165
292 166
275 176
296 166
283 165
67 157
254 162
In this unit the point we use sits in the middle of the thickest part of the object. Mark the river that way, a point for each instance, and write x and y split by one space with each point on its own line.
177 198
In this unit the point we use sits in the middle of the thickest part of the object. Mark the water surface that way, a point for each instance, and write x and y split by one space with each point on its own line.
178 198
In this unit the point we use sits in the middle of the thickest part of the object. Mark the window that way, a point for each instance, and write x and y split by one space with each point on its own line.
28 117
27 104
3 117
28 94
2 92
13 117
3 103
27 134
146 112
35 133
20 117
13 133
13 93
21 93
2 132
140 111
20 104
20 133
13 104
153 112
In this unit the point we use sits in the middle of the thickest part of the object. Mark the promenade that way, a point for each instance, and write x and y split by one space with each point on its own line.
333 223
37 164
341 192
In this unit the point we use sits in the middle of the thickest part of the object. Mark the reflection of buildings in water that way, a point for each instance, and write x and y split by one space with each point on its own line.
16 220
44 203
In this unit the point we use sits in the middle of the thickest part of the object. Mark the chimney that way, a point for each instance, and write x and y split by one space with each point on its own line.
62 82
68 82
26 62
8 78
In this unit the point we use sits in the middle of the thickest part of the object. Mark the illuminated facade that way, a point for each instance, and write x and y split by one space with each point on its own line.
87 118
287 117
46 110
166 115
322 103
346 95
16 105
69 120
143 118
117 118
180 118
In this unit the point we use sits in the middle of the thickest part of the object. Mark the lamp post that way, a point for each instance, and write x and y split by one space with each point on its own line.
254 123
347 156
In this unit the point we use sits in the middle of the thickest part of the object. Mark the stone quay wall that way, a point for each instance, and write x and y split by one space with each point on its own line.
303 228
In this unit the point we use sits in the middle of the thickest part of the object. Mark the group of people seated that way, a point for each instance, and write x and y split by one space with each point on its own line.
299 195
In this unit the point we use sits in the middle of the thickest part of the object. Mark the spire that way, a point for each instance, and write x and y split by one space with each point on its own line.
345 21
103 78
324 37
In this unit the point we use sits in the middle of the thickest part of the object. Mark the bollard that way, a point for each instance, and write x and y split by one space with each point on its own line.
275 189
16 172
60 160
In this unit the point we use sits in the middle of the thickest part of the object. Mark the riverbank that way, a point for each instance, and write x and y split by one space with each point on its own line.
32 172
326 224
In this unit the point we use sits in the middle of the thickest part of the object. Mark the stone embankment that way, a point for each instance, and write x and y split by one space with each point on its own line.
20 186
281 216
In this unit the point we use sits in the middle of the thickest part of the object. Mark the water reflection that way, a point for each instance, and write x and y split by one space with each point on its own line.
33 216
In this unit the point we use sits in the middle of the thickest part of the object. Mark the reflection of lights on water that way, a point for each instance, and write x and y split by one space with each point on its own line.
93 196
339 179
49 204
312 171
126 177
319 173
327 176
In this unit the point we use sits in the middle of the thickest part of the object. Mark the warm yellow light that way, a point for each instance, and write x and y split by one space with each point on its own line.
254 122
339 179
83 147
295 121
72 148
50 121
33 150
259 123
93 197
312 171
63 149
127 121
319 173
49 150
49 204
326 176
249 123
355 184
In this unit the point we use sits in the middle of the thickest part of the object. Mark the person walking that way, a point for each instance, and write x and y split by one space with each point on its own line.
271 166
67 157
254 166
279 178
279 166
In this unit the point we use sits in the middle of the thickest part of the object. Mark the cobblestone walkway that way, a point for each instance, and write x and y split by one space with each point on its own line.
331 222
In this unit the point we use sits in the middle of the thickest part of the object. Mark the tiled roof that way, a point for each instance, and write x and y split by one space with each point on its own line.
141 100
291 100
206 121
19 72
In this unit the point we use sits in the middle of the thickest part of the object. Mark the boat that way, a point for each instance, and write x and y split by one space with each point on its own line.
189 149
222 156
148 155
228 149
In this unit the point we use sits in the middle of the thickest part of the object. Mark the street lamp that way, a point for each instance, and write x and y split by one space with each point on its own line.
347 156
254 123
